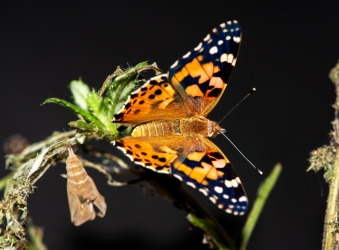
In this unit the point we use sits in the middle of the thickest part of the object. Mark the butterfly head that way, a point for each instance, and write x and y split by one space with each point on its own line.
214 129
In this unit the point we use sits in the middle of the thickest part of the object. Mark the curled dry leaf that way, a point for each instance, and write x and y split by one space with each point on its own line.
82 192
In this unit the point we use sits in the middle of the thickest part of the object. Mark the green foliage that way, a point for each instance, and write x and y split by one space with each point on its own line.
29 165
96 112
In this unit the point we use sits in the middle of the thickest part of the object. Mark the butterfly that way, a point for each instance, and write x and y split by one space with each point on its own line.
171 130
82 192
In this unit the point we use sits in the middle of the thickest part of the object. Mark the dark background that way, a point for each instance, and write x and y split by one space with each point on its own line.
287 51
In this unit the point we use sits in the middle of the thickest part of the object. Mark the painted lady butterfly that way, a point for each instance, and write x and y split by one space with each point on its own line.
171 129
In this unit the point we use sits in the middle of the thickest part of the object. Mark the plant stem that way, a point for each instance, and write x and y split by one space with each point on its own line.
331 228
263 192
331 232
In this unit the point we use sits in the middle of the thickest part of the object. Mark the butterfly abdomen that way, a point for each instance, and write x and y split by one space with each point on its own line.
156 128
192 126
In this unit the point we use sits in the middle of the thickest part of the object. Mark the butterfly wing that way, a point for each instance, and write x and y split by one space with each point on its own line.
201 75
193 85
156 153
156 100
197 161
203 166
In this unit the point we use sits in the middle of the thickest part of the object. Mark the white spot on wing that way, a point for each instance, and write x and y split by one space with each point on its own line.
122 149
229 22
228 38
215 30
234 183
241 213
174 64
198 47
203 191
220 42
163 171
236 39
220 206
230 58
208 37
228 210
243 198
228 183
178 177
213 200
187 55
236 213
213 50
191 184
219 190
234 61
223 25
223 58
238 179
226 196
234 200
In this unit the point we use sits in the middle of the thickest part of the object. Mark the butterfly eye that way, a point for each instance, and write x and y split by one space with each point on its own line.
214 134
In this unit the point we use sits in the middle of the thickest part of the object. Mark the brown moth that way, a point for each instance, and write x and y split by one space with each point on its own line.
82 192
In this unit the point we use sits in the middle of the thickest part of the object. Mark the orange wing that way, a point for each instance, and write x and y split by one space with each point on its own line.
156 100
197 161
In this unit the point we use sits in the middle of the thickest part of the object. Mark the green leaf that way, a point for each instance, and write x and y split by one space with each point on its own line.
263 192
80 92
95 106
75 109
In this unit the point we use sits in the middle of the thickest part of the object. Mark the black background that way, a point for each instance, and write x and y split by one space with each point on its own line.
287 51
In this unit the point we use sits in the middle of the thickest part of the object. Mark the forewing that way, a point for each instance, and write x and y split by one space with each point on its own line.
202 75
81 211
156 100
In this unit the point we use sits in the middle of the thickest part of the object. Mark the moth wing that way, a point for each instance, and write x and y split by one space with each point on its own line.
81 210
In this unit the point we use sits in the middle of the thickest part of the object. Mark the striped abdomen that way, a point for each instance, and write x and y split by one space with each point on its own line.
195 126
82 192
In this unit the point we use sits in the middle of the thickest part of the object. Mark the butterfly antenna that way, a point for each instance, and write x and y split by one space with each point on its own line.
259 171
243 99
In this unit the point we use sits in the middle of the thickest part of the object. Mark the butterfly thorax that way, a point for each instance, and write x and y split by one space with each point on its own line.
196 126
